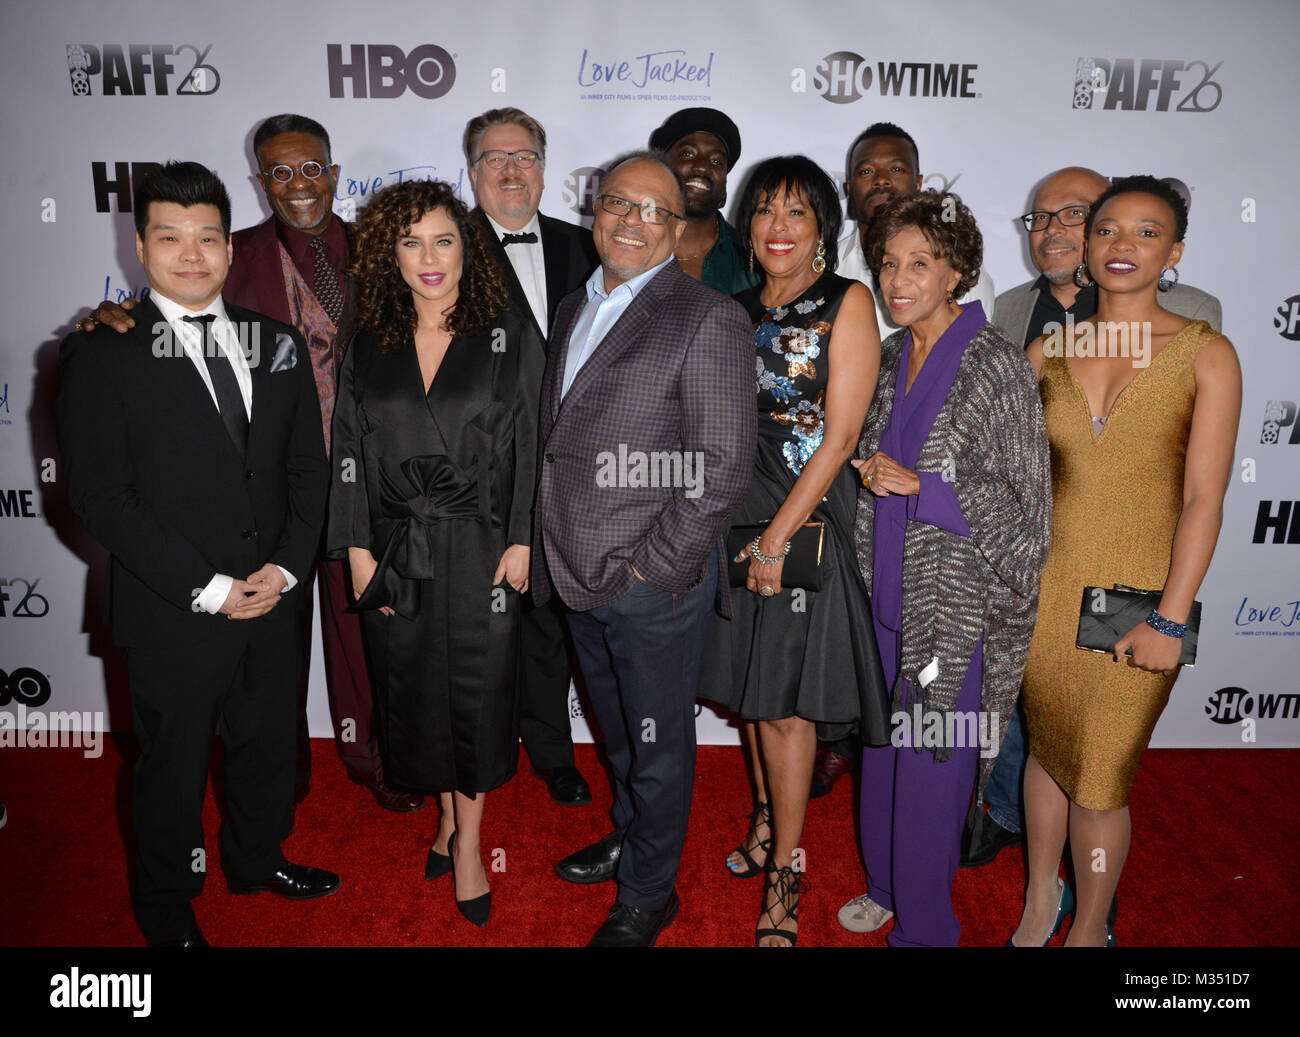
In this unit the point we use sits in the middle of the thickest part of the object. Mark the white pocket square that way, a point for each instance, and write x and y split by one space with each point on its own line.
286 353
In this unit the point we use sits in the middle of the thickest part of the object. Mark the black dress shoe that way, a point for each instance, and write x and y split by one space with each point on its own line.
293 881
194 938
992 839
632 927
568 787
595 863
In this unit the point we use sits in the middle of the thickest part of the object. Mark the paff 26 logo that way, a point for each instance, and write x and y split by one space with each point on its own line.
20 599
141 69
1278 416
1128 84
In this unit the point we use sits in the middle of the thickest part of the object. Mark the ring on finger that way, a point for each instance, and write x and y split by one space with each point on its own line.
766 591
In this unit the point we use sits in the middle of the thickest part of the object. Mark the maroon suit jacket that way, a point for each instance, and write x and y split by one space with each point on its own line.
256 280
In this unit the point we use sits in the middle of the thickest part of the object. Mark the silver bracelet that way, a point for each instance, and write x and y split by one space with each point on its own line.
757 552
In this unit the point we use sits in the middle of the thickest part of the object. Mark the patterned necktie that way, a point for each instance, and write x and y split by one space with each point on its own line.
527 238
230 401
325 283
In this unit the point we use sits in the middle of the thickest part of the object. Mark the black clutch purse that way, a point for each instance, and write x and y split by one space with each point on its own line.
1107 615
803 565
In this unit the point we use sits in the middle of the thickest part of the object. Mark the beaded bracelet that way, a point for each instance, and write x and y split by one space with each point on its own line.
1166 626
767 559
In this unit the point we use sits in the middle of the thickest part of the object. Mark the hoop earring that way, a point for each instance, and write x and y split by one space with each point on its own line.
819 260
1080 272
1166 285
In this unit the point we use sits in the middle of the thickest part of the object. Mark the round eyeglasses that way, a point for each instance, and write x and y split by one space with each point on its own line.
311 170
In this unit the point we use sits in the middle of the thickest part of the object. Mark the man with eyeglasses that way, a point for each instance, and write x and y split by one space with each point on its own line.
543 259
292 267
703 145
1055 227
647 431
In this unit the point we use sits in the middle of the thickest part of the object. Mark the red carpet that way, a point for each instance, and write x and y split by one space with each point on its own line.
1215 849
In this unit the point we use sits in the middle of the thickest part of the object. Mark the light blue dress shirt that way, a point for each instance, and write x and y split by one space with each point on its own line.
602 311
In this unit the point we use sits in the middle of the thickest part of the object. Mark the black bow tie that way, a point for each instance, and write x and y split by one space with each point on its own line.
527 238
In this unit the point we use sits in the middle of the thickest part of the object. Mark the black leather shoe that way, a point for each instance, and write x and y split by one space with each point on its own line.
194 938
568 787
294 881
992 840
631 927
595 863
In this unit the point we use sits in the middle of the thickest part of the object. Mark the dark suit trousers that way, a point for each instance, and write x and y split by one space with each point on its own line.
641 658
346 678
544 675
247 680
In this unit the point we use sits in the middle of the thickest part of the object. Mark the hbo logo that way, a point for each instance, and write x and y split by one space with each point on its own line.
385 70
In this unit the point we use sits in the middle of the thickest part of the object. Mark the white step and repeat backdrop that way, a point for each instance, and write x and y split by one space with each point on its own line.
995 95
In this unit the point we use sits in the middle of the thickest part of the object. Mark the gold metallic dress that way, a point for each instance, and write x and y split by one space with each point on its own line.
1116 500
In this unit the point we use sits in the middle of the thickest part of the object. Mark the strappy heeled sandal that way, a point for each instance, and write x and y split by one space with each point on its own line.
761 815
787 884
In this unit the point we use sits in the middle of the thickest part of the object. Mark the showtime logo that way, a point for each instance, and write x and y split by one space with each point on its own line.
1232 705
844 77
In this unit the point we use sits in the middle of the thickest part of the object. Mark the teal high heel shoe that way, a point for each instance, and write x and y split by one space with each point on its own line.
1063 908
1110 936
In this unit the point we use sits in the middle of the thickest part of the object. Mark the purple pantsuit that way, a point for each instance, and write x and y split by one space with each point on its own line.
913 807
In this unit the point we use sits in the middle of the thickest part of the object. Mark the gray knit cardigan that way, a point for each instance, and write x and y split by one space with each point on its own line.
989 435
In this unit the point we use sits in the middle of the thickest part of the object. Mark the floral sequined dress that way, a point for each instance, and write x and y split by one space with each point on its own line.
810 654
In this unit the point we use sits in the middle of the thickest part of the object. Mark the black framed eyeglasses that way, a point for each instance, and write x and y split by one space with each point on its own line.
496 159
282 173
1041 219
648 211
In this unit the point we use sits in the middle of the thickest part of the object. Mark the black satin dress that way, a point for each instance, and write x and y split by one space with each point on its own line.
437 486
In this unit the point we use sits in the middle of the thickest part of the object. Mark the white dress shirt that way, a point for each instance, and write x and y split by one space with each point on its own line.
190 338
852 263
600 313
529 264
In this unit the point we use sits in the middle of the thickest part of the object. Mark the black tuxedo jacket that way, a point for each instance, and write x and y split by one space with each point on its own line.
154 475
568 256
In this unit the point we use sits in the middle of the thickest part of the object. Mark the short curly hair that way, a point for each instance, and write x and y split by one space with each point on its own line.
947 225
1143 183
385 300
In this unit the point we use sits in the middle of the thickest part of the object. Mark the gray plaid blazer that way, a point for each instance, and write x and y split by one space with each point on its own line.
651 451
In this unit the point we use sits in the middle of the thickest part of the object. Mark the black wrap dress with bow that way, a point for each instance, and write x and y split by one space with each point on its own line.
436 486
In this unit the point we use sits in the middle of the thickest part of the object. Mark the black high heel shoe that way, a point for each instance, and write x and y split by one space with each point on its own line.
477 910
762 815
436 865
787 884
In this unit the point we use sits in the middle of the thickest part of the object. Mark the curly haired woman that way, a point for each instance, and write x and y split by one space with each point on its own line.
435 456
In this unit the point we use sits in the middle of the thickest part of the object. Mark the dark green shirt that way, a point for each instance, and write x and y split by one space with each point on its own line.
726 267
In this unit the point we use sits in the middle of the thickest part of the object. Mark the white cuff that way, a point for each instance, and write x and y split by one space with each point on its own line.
214 595
290 581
